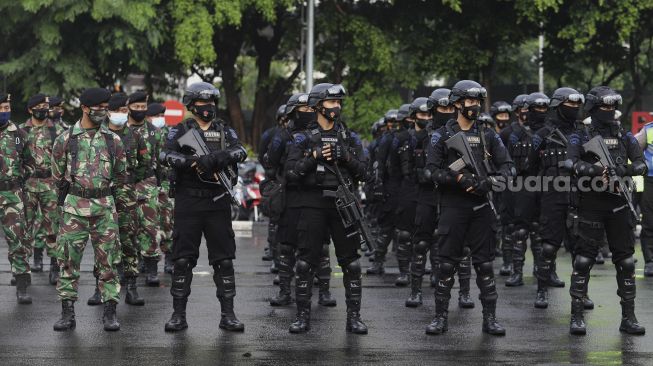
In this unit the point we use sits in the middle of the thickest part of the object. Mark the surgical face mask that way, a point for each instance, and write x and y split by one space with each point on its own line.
118 119
471 112
4 118
137 116
97 116
158 122
40 114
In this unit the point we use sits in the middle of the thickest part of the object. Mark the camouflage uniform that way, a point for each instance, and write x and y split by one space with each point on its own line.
98 168
166 203
16 162
41 211
148 194
135 151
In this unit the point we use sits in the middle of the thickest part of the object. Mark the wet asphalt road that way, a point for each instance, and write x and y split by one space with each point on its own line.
396 332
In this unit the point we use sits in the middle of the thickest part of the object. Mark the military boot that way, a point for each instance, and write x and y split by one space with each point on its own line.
490 324
22 282
38 260
353 293
439 323
132 297
464 299
577 322
415 299
96 299
110 318
506 250
67 321
152 278
53 277
629 323
354 323
517 276
519 249
325 298
377 267
226 284
541 301
554 280
285 294
177 321
302 323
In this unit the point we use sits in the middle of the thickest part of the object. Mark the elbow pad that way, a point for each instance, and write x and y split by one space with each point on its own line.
443 176
586 169
637 168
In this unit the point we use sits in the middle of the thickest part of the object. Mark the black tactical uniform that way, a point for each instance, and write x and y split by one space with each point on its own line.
604 212
546 158
270 252
315 176
466 217
202 207
524 205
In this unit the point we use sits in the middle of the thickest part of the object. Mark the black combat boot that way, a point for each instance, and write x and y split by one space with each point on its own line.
53 278
588 304
23 280
285 296
554 280
577 322
353 293
110 318
67 321
382 243
490 324
267 256
648 269
464 299
404 248
132 297
225 281
415 299
629 323
377 267
519 249
506 249
303 292
541 301
96 299
38 260
152 278
439 323
177 321
325 298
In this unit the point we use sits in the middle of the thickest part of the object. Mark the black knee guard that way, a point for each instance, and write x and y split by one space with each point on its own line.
352 280
383 241
626 279
182 276
224 279
303 281
323 271
519 244
446 271
545 263
418 262
286 259
485 281
580 276
465 267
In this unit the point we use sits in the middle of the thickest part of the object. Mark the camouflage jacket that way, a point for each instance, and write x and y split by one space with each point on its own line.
96 168
40 141
152 138
135 151
164 171
16 161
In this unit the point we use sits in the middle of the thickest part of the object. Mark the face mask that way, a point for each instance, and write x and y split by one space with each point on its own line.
331 114
40 114
603 116
56 115
205 112
523 116
535 117
137 116
302 119
4 118
567 113
117 118
422 123
471 112
442 118
159 122
97 117
502 123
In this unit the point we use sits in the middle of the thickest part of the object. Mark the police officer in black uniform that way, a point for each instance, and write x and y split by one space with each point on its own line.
604 211
315 157
466 217
500 113
524 204
202 205
546 158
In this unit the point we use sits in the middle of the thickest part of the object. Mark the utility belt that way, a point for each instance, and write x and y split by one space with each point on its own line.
90 193
552 158
41 174
202 193
9 185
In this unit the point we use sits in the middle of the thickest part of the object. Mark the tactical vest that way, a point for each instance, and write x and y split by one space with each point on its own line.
613 139
420 158
393 162
555 151
129 143
476 143
520 149
325 176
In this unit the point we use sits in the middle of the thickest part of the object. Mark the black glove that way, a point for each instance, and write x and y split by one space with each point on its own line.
206 163
482 186
468 180
221 159
621 170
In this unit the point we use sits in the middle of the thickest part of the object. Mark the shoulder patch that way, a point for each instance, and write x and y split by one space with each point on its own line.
536 141
574 139
299 138
172 133
435 138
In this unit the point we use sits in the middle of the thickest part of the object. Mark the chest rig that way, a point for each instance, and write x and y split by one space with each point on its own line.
520 147
613 138
555 149
422 141
325 176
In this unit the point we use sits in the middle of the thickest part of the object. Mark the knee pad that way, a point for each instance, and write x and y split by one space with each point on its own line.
549 251
302 267
422 247
484 269
583 264
353 268
403 236
520 235
325 250
626 265
182 265
446 270
287 250
225 266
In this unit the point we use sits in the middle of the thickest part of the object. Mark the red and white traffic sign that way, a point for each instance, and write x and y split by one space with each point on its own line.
174 112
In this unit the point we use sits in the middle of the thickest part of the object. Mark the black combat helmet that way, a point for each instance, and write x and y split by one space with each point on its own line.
420 104
296 100
518 102
602 96
565 94
403 112
467 89
200 91
440 97
500 106
536 100
325 91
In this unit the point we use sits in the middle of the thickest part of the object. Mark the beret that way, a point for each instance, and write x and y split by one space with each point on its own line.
94 96
36 99
155 109
55 101
137 97
117 100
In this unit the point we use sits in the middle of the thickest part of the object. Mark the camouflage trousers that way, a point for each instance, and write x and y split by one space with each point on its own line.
74 232
166 209
148 218
12 218
127 222
42 218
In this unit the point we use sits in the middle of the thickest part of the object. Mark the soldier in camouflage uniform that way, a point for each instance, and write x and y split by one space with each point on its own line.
135 149
89 163
155 115
146 188
16 163
41 213
57 112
